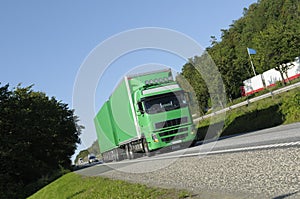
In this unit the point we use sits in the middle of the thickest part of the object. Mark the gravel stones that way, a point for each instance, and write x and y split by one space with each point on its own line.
267 173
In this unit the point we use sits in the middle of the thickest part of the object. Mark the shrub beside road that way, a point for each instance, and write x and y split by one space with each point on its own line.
280 109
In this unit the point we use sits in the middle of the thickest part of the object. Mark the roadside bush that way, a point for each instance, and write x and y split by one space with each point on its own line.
270 112
38 136
291 108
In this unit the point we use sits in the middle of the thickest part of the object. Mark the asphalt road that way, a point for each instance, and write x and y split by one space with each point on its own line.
281 136
263 164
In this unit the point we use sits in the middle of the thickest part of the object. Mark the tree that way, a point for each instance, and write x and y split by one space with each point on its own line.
213 81
275 44
38 136
272 28
191 80
283 69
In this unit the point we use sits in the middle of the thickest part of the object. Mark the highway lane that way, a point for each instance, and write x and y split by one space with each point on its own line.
276 137
272 137
216 170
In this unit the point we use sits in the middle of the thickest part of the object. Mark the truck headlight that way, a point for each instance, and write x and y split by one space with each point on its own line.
154 138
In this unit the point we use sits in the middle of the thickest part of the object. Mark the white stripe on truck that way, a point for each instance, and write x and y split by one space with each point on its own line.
159 89
137 127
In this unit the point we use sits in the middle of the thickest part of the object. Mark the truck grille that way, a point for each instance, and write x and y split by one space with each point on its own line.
166 133
173 138
170 123
172 135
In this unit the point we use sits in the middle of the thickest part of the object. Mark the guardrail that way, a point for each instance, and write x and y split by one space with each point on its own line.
270 94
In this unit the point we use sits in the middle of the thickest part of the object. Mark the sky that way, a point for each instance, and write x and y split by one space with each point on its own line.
45 43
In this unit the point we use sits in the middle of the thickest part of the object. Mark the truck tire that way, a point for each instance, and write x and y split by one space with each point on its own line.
127 151
106 157
130 150
145 147
115 154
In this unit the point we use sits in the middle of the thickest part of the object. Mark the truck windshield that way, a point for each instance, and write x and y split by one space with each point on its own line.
165 102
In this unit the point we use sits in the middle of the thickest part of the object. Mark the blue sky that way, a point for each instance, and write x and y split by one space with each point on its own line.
45 42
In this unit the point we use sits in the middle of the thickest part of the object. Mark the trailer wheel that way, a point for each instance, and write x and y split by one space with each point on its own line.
145 147
130 149
115 154
127 151
106 157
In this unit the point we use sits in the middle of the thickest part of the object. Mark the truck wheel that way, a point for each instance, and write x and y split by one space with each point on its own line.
127 151
105 157
131 154
110 156
145 147
116 155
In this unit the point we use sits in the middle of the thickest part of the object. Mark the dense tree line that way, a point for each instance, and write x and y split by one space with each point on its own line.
271 27
38 136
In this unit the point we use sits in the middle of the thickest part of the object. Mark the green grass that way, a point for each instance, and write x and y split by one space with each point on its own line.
75 186
266 113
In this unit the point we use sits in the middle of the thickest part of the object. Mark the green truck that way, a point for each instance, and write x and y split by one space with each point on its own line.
145 113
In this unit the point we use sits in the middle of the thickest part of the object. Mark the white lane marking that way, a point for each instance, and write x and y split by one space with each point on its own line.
269 146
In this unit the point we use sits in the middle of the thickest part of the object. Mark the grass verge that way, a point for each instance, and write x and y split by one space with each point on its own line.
270 112
75 186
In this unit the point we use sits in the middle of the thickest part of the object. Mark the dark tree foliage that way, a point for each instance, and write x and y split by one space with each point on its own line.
191 80
271 27
38 136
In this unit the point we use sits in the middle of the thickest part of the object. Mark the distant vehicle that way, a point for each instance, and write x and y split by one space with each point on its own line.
146 112
92 158
80 161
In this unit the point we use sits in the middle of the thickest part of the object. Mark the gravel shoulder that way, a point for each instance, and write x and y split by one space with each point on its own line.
270 173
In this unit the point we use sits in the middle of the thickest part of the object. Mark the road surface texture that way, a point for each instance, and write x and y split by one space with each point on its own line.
252 171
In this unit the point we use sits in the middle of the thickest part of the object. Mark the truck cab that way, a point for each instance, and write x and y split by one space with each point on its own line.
164 116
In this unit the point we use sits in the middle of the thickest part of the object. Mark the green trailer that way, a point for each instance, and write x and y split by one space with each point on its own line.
145 113
103 123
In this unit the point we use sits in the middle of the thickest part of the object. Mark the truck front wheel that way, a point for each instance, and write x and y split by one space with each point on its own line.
145 147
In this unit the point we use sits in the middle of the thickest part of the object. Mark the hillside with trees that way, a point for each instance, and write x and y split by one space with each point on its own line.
94 149
271 27
38 137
